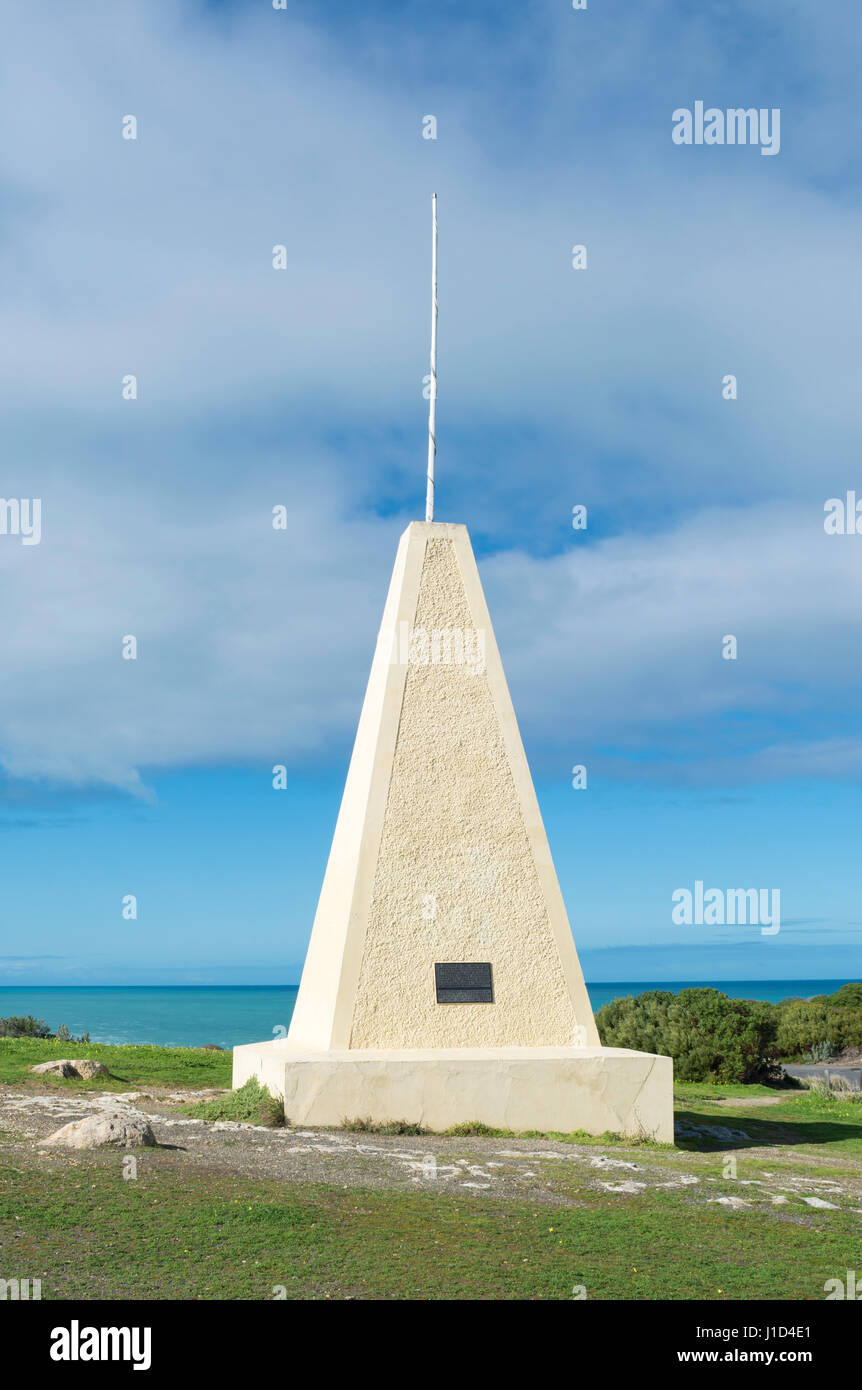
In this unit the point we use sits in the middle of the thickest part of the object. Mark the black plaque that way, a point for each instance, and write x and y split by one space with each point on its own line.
464 982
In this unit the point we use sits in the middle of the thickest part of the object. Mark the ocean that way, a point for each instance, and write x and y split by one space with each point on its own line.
192 1015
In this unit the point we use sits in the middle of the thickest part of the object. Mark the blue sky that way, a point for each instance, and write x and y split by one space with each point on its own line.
303 387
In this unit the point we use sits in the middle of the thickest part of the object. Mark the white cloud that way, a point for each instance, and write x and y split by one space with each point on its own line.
258 387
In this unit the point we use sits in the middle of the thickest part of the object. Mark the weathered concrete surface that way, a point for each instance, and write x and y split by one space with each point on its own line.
439 853
597 1090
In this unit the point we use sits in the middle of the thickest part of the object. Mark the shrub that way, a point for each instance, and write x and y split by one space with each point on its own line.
368 1126
638 1022
249 1104
820 1052
28 1027
471 1127
31 1027
710 1037
848 997
803 1024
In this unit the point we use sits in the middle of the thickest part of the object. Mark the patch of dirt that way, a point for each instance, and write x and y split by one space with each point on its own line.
549 1172
755 1100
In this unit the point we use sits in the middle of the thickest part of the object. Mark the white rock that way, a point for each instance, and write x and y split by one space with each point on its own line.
82 1067
125 1131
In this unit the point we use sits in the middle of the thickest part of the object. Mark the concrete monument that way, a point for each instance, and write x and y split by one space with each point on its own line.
442 984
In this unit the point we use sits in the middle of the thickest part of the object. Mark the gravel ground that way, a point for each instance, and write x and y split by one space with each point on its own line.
527 1170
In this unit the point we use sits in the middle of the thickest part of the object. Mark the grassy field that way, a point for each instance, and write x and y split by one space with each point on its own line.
807 1120
176 1232
130 1067
172 1235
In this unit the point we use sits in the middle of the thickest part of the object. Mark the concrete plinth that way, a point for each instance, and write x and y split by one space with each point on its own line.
595 1089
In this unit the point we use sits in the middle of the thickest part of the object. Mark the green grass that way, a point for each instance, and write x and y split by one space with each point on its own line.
130 1067
177 1234
251 1104
577 1136
708 1090
368 1126
803 1120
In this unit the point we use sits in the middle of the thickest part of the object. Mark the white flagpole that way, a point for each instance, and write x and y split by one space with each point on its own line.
432 401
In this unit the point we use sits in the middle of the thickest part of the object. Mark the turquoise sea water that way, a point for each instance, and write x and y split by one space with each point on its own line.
191 1015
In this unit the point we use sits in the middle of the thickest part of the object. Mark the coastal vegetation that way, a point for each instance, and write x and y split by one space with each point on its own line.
248 1104
30 1027
712 1037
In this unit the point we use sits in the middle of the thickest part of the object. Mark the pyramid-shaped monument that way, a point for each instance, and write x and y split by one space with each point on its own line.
442 984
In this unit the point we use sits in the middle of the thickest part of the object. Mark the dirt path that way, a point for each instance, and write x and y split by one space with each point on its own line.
735 1102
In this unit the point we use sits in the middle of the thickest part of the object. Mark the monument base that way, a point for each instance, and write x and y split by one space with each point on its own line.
595 1089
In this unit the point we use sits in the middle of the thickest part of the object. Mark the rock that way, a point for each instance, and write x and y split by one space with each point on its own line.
210 1047
87 1069
124 1131
81 1067
686 1130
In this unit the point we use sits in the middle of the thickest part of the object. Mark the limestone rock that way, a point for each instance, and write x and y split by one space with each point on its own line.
81 1067
122 1130
60 1068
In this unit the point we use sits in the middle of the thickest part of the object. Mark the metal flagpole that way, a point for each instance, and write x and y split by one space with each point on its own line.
432 400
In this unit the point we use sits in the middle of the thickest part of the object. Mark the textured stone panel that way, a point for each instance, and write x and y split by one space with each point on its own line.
455 877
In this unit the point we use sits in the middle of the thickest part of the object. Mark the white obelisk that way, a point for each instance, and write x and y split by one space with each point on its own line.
441 983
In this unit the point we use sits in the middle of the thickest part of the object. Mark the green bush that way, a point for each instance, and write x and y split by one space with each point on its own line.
714 1038
31 1027
848 997
638 1021
365 1125
250 1104
28 1027
710 1037
803 1024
